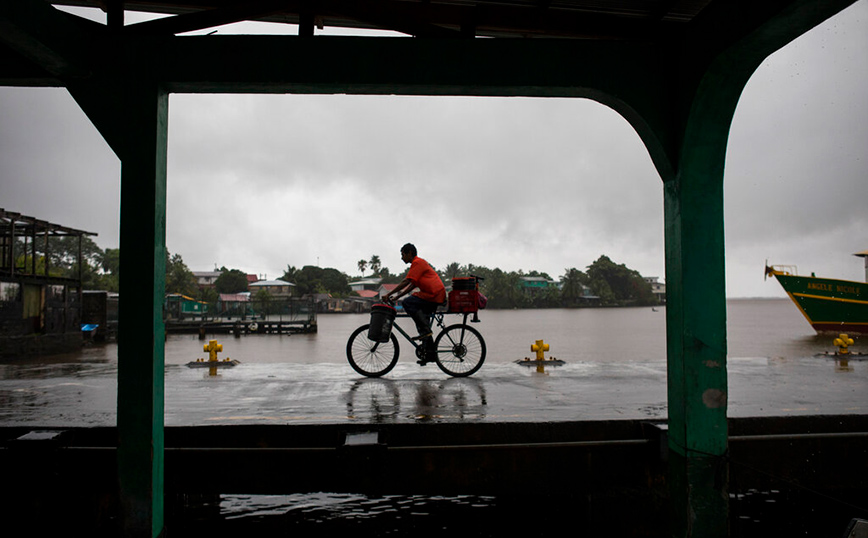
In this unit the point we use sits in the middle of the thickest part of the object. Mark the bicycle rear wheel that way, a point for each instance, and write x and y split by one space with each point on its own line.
460 350
371 358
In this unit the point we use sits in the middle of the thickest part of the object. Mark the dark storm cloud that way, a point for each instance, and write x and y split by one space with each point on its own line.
54 165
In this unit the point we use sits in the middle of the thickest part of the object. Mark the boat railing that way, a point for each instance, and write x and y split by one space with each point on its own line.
785 269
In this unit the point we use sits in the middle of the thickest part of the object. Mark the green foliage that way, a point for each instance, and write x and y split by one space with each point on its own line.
111 266
290 275
618 285
311 279
262 302
451 271
111 260
335 282
208 295
375 264
389 278
180 279
231 281
62 256
572 290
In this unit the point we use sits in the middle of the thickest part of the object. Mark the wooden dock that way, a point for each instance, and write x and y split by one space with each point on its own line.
240 326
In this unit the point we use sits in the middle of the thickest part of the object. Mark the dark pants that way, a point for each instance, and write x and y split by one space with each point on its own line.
420 311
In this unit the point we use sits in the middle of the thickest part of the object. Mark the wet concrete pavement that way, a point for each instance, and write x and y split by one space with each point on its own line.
70 395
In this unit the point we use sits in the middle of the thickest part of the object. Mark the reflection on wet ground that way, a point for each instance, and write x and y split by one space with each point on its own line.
380 400
753 514
84 393
46 371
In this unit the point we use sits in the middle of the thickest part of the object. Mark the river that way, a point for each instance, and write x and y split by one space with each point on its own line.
755 328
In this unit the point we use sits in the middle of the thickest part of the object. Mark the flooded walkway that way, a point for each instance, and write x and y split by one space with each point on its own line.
85 394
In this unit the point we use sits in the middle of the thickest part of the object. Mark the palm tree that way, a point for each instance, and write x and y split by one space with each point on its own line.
572 286
362 266
375 264
452 270
290 275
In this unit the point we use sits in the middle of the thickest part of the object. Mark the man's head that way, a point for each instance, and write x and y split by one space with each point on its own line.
408 252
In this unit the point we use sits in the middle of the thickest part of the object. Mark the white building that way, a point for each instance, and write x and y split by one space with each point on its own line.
657 288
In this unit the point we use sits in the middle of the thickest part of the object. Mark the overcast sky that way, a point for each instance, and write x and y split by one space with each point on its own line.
258 183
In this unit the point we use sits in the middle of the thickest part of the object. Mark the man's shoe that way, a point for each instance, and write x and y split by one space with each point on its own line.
422 336
430 356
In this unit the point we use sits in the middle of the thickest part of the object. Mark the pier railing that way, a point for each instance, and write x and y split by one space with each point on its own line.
277 315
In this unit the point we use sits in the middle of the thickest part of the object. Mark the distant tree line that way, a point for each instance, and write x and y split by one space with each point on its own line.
607 283
610 284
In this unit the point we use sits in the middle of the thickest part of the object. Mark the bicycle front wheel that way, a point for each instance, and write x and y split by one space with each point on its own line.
370 358
460 350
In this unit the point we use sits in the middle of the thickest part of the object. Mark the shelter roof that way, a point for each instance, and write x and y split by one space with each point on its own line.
11 222
586 19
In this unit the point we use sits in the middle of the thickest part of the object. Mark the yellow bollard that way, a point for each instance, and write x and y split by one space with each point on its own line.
843 342
213 348
540 347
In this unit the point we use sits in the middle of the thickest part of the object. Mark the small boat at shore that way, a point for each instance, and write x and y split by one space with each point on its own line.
830 306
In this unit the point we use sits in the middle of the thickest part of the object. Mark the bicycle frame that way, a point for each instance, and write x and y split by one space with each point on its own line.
437 317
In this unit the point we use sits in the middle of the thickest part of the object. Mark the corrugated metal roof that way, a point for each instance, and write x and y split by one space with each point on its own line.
367 293
271 283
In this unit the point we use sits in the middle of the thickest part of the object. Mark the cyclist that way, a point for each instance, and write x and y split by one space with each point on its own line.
423 303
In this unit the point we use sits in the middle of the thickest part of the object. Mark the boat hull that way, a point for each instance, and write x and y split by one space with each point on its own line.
830 306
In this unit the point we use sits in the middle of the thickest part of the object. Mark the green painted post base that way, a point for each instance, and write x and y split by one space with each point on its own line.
698 489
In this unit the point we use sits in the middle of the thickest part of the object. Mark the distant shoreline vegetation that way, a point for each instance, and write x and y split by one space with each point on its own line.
603 283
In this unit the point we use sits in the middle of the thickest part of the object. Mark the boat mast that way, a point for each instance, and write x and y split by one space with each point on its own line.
864 256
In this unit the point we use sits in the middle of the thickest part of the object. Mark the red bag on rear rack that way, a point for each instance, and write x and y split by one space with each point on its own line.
464 296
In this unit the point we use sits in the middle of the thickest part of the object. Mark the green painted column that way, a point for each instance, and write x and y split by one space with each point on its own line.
141 335
696 348
696 314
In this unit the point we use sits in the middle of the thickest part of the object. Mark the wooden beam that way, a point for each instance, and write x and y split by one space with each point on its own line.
199 20
46 37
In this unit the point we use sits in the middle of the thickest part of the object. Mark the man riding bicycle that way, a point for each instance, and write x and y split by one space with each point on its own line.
423 303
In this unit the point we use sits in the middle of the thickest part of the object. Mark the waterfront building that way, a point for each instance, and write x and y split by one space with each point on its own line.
206 279
371 284
275 288
657 288
40 312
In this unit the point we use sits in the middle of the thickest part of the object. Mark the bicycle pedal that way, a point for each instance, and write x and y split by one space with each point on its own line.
422 337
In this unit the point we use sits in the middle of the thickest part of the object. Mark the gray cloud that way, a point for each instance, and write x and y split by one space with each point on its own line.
261 182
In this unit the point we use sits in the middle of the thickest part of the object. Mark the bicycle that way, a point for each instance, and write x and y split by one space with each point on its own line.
460 347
